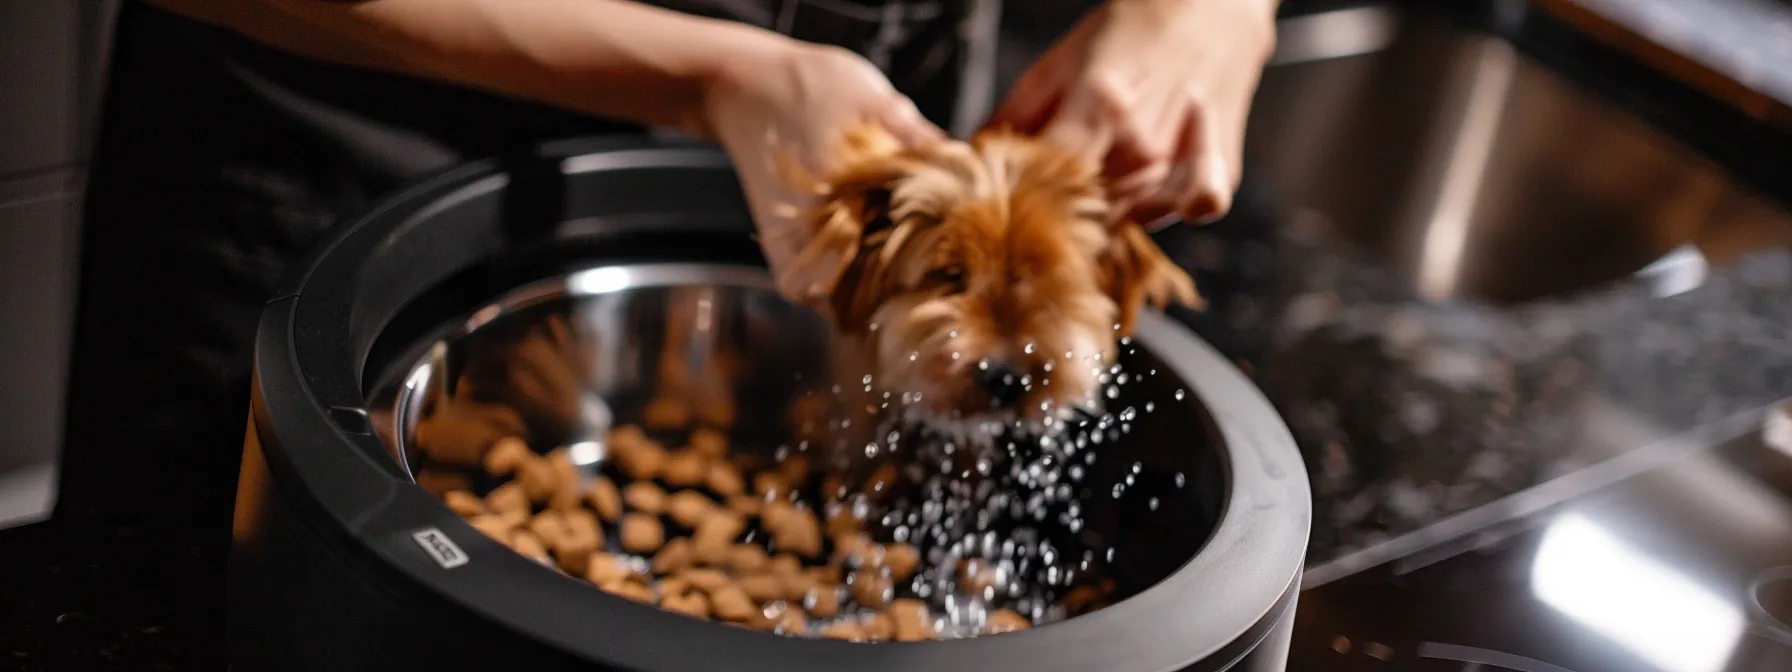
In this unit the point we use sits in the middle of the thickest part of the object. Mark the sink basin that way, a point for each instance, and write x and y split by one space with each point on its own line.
1477 171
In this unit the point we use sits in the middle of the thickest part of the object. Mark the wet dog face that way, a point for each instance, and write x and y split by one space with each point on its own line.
986 280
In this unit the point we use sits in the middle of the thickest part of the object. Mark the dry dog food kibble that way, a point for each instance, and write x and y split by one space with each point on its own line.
689 508
605 499
699 533
686 469
642 533
645 498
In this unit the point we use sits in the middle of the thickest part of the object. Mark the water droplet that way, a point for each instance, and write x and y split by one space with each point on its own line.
873 326
1181 479
1179 395
1152 504
982 365
1069 355
871 449
954 356
1048 366
1119 490
1126 340
912 356
1028 349
867 379
1116 326
1149 407
1113 393
952 334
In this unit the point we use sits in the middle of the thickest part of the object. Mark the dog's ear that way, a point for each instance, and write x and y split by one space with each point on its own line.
1137 272
854 206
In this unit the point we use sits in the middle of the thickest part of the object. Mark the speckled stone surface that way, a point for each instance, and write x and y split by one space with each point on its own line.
1750 41
1408 411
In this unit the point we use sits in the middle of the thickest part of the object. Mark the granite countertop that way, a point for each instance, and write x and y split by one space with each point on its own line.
1409 411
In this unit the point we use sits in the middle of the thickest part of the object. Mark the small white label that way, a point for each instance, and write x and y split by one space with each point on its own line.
440 547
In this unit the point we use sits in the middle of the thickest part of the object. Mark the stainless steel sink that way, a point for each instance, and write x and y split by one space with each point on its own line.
1477 172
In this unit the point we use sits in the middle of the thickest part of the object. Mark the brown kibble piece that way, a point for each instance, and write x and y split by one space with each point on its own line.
636 454
847 631
493 525
903 560
566 482
709 442
791 622
786 565
674 586
550 526
870 589
630 589
881 482
976 577
583 539
537 478
724 479
732 604
879 628
800 534
762 587
770 486
794 469
691 604
666 413
685 469
439 483
775 514
674 557
912 620
689 508
853 550
706 580
822 601
604 569
714 537
464 503
529 545
645 498
642 533
515 517
506 455
745 505
506 498
797 585
605 499
462 433
748 559
1006 620
832 487
842 523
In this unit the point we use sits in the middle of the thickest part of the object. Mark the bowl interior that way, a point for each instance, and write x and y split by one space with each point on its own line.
565 359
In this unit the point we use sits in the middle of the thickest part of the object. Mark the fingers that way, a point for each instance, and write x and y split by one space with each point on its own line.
1034 100
905 122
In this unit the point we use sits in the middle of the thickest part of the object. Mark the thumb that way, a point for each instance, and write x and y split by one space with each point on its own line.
905 121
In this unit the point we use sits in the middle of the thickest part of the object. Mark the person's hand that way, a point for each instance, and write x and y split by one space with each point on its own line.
789 110
1158 90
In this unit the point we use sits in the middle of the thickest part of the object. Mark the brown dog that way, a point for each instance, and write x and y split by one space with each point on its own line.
977 282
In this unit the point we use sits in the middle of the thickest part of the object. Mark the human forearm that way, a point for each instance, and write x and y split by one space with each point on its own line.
608 57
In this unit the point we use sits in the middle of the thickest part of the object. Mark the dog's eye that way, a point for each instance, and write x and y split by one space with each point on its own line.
950 276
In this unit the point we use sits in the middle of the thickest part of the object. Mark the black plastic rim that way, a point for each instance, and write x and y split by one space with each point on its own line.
315 337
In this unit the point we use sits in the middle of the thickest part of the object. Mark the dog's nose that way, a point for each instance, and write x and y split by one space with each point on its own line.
1002 382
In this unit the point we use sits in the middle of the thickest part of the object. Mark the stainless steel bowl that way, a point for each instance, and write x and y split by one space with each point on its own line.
566 285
